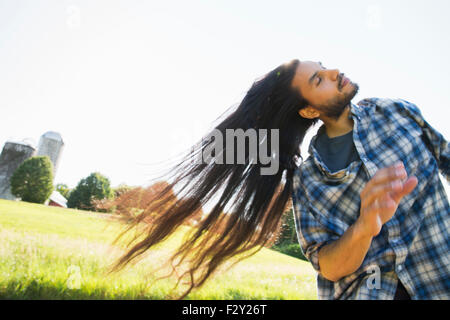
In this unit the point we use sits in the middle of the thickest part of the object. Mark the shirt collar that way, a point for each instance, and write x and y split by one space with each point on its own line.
355 111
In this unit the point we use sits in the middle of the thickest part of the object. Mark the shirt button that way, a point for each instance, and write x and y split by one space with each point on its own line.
364 159
399 267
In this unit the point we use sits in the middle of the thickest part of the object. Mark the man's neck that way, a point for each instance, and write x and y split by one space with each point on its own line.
338 127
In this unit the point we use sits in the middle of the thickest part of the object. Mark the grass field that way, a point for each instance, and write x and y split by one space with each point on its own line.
55 253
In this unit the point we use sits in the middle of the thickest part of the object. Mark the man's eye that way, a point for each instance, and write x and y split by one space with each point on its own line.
320 80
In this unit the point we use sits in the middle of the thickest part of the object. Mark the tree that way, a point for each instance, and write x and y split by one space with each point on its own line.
94 187
32 181
63 189
287 237
287 233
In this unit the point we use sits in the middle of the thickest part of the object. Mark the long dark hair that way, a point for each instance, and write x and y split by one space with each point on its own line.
254 203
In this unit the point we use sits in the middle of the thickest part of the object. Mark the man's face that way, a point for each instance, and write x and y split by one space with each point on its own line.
326 90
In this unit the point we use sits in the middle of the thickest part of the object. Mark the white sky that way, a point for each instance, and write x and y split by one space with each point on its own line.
130 83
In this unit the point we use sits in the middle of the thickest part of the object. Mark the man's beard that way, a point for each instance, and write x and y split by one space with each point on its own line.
336 106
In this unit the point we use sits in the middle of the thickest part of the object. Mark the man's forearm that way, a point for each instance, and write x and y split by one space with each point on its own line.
345 255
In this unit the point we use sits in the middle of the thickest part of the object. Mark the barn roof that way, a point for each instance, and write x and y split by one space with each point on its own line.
58 198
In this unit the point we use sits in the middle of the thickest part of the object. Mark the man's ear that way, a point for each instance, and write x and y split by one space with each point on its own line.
309 113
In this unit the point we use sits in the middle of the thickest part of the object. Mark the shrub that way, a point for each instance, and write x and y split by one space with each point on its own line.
121 189
129 204
293 250
32 181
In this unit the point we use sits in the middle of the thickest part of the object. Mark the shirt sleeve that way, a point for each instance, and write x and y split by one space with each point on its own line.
434 140
312 235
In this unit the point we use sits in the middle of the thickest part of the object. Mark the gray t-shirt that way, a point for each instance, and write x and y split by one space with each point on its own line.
337 153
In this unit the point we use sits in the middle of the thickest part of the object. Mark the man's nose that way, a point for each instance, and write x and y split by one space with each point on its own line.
333 74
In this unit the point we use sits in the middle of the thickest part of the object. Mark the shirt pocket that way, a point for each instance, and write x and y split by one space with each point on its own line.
417 159
410 148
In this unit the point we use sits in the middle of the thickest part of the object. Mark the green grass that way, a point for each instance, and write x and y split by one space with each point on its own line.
55 253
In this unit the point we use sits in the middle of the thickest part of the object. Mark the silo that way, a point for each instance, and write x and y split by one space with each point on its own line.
13 154
51 145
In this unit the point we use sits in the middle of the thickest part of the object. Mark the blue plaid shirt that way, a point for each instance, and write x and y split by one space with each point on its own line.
413 245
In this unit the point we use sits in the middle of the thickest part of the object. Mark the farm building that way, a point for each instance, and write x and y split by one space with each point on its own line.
57 200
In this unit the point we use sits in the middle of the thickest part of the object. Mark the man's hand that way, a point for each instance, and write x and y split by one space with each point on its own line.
381 196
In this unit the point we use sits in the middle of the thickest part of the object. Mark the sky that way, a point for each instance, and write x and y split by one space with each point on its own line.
129 84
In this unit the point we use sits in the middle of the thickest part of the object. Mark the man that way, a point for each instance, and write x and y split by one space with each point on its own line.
372 215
